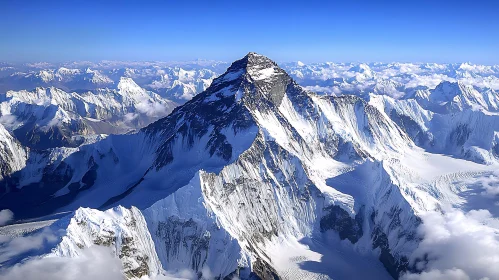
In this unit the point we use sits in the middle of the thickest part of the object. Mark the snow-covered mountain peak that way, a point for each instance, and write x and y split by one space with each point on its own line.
260 67
127 86
462 95
63 71
446 90
362 68
449 87
252 78
256 66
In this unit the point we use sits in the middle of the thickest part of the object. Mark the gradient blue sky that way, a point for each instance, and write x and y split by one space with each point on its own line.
309 30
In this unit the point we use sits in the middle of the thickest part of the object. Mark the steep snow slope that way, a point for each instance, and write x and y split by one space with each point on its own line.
251 167
188 236
12 154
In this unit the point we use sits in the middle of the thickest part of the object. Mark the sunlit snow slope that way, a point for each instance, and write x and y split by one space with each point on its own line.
256 177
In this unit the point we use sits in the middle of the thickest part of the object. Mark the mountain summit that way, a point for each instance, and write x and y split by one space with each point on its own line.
253 71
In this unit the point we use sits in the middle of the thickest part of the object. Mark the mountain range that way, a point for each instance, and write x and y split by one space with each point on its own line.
254 175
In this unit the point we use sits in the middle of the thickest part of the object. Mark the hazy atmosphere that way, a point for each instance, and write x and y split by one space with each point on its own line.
208 140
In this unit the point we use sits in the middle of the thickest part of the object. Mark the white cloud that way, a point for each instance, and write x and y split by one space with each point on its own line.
206 273
482 82
476 68
430 81
18 245
151 109
454 274
457 245
9 121
128 118
5 216
96 263
409 68
489 184
323 90
409 75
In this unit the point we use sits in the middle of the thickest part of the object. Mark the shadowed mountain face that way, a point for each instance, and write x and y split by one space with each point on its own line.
254 177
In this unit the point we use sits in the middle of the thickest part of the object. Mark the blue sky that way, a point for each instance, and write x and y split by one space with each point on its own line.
309 30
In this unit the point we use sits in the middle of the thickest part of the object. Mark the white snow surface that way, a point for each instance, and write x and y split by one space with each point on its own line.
315 186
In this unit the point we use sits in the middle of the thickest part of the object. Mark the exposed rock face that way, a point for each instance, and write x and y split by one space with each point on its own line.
13 155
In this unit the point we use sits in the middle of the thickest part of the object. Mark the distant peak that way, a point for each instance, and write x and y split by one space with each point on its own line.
362 68
451 85
126 80
128 85
447 90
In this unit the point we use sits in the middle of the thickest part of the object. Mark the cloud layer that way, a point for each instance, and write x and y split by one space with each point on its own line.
96 263
457 245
